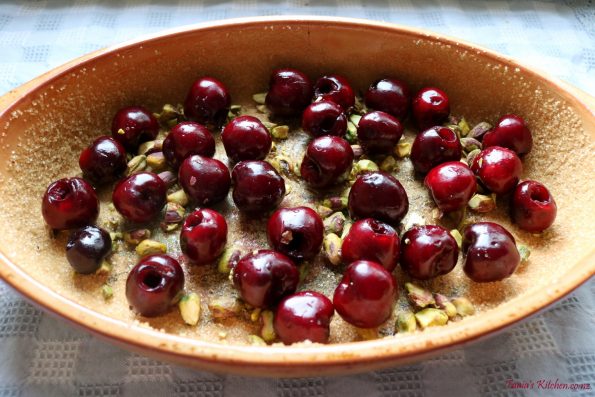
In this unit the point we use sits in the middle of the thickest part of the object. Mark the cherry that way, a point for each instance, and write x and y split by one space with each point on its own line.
389 95
134 125
335 88
290 92
498 169
428 251
154 285
430 107
140 197
533 207
378 195
69 203
324 118
435 146
258 187
451 185
87 248
103 161
328 160
203 236
304 316
366 294
296 232
184 140
491 252
371 240
205 180
378 132
264 277
207 102
510 132
246 138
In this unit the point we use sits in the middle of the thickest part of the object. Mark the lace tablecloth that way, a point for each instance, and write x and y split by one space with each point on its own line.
43 356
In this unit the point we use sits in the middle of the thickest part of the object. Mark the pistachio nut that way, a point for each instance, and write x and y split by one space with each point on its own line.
144 147
335 203
443 303
267 332
524 252
464 306
256 340
134 237
104 268
150 247
261 108
189 306
431 317
357 151
464 127
156 161
332 248
351 134
168 177
334 223
116 236
479 130
405 322
260 98
420 297
255 314
458 238
107 291
482 203
280 132
323 211
227 261
174 215
223 309
471 156
178 197
268 124
403 149
389 164
470 144
136 164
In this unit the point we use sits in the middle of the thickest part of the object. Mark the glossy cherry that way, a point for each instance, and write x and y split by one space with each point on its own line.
510 132
491 252
451 185
296 232
371 240
290 92
304 316
366 294
324 118
205 180
378 195
498 169
246 138
186 139
389 95
203 236
103 161
263 278
428 251
434 146
378 132
533 207
69 203
154 285
134 125
207 102
335 88
327 161
258 187
430 107
140 197
87 248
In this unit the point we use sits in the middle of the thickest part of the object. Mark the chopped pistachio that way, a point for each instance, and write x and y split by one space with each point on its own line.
234 110
471 156
464 306
304 270
222 309
134 237
115 236
363 166
149 247
419 296
351 135
228 260
189 306
283 165
332 248
355 118
174 215
367 333
482 203
443 303
145 147
524 252
261 108
456 129
335 203
403 149
346 229
168 177
359 106
437 214
334 223
389 164
255 314
136 164
256 340
168 113
464 126
104 268
323 211
405 322
121 131
470 144
178 197
269 125
280 132
430 317
267 332
156 161
357 151
260 98
457 236
107 291
479 130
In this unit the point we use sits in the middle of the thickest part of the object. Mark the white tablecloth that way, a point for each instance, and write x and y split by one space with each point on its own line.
42 356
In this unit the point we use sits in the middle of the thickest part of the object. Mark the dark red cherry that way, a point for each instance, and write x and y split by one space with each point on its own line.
371 240
430 107
327 161
205 180
498 169
69 203
258 187
378 195
134 125
324 118
103 161
451 185
154 285
428 251
263 278
335 88
296 232
378 132
207 102
186 139
87 248
304 316
246 138
491 252
366 294
533 207
203 236
140 197
290 92
510 132
434 146
389 95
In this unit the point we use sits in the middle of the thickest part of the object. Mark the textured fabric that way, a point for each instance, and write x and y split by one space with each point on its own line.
43 356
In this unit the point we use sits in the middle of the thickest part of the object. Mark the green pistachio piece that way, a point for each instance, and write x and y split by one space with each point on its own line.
346 229
405 322
332 248
457 236
403 149
156 161
334 223
479 130
351 135
223 309
267 332
134 237
136 164
335 203
430 317
419 296
189 306
256 340
524 252
482 203
323 211
470 144
107 291
280 132
389 164
261 108
464 127
178 197
355 118
104 268
471 156
150 247
464 306
443 303
260 98
228 259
